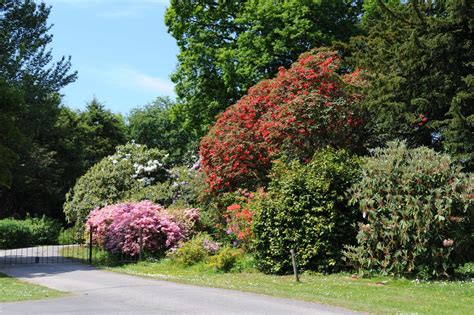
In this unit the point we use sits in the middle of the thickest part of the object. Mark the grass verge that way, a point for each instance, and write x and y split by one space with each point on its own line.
12 289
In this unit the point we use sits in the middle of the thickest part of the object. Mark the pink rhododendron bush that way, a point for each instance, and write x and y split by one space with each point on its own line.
116 228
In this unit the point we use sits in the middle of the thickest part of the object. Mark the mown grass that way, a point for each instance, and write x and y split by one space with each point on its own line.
374 295
12 289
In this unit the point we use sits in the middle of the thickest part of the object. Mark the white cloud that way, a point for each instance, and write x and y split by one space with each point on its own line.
128 76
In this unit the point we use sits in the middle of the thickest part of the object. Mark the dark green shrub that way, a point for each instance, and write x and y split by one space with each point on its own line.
225 259
14 234
29 232
418 210
44 230
305 208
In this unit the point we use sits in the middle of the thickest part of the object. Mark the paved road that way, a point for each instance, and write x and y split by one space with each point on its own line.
102 292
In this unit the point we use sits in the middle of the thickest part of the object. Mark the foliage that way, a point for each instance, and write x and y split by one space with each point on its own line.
10 135
115 178
419 212
118 228
29 84
420 58
225 259
226 47
195 250
100 132
305 209
68 236
14 234
44 230
182 189
32 231
306 107
189 220
239 218
157 126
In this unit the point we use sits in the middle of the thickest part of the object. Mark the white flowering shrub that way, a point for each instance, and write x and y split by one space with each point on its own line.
115 178
182 189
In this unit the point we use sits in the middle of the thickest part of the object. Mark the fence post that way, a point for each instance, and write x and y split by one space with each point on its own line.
90 244
295 268
141 244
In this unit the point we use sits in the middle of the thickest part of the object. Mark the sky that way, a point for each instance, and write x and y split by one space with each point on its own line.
120 48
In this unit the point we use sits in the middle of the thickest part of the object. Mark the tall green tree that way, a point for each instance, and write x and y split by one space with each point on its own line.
30 83
420 60
101 131
159 125
10 136
228 46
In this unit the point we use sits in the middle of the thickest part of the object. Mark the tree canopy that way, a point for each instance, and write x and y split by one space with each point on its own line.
228 46
160 125
419 55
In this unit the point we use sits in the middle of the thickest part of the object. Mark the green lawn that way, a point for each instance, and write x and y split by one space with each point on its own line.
376 295
12 289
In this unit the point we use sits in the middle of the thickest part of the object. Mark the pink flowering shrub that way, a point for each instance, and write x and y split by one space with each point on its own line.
188 220
117 228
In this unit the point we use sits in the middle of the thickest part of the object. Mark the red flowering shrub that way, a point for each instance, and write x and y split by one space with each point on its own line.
306 107
239 217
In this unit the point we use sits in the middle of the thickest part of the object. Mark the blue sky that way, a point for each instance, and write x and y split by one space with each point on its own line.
120 48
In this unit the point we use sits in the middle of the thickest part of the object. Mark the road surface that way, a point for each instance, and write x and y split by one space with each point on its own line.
96 291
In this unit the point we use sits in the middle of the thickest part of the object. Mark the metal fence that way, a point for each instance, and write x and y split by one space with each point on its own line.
85 252
44 254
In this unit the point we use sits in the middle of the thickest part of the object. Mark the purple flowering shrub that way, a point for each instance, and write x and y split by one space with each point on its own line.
117 228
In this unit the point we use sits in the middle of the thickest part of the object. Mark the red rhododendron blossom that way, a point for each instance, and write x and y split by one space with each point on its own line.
306 107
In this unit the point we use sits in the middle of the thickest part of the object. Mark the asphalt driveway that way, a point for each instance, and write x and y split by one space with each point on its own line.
96 291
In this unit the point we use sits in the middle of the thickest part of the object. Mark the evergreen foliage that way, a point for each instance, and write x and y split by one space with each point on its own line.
420 57
29 83
306 209
419 213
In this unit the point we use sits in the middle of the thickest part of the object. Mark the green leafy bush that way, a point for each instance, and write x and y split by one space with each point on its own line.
194 251
68 236
225 259
44 230
305 208
29 232
114 179
14 234
418 210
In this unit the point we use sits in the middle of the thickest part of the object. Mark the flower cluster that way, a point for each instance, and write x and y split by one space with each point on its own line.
118 228
239 217
304 108
210 246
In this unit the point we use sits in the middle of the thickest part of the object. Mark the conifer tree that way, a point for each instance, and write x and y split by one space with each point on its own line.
419 56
